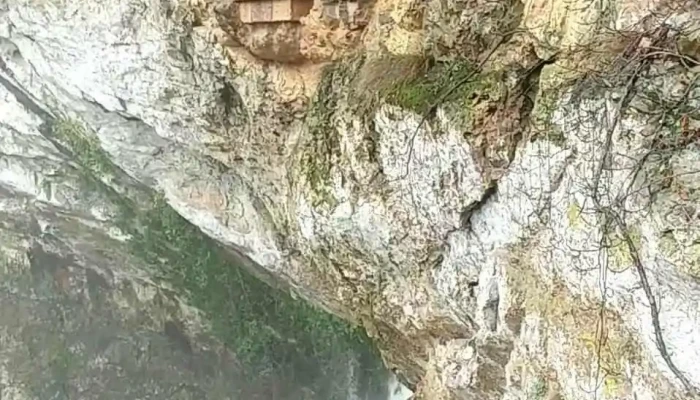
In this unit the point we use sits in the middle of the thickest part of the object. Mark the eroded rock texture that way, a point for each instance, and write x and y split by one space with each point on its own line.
502 194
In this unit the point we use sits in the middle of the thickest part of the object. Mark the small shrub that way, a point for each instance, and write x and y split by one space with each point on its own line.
418 83
425 91
538 390
84 146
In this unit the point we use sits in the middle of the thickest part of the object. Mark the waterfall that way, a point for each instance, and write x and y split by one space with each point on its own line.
397 390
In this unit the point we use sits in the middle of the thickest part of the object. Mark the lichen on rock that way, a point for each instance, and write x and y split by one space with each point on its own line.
495 193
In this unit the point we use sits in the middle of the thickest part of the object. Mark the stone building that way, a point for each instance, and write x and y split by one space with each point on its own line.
267 11
343 10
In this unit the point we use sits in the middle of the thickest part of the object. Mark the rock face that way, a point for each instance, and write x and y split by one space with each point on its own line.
107 293
503 195
80 325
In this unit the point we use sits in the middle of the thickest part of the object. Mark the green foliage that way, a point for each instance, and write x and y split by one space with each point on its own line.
323 146
413 83
63 363
683 251
418 84
573 214
612 385
454 85
422 92
257 321
538 390
84 146
543 113
268 329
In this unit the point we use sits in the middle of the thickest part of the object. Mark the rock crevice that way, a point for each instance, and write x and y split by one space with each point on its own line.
465 228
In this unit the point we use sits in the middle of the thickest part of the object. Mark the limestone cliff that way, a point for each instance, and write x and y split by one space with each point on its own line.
502 194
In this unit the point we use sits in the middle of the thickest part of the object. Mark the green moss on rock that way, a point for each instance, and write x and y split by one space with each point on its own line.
424 91
455 85
418 83
543 113
269 331
538 390
322 148
84 146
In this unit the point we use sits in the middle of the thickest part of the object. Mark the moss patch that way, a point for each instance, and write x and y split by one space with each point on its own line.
543 114
538 390
424 91
84 146
268 330
377 77
612 386
271 333
692 267
95 167
322 149
417 84
265 327
554 83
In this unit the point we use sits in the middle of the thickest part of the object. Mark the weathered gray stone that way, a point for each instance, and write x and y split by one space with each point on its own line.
476 249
